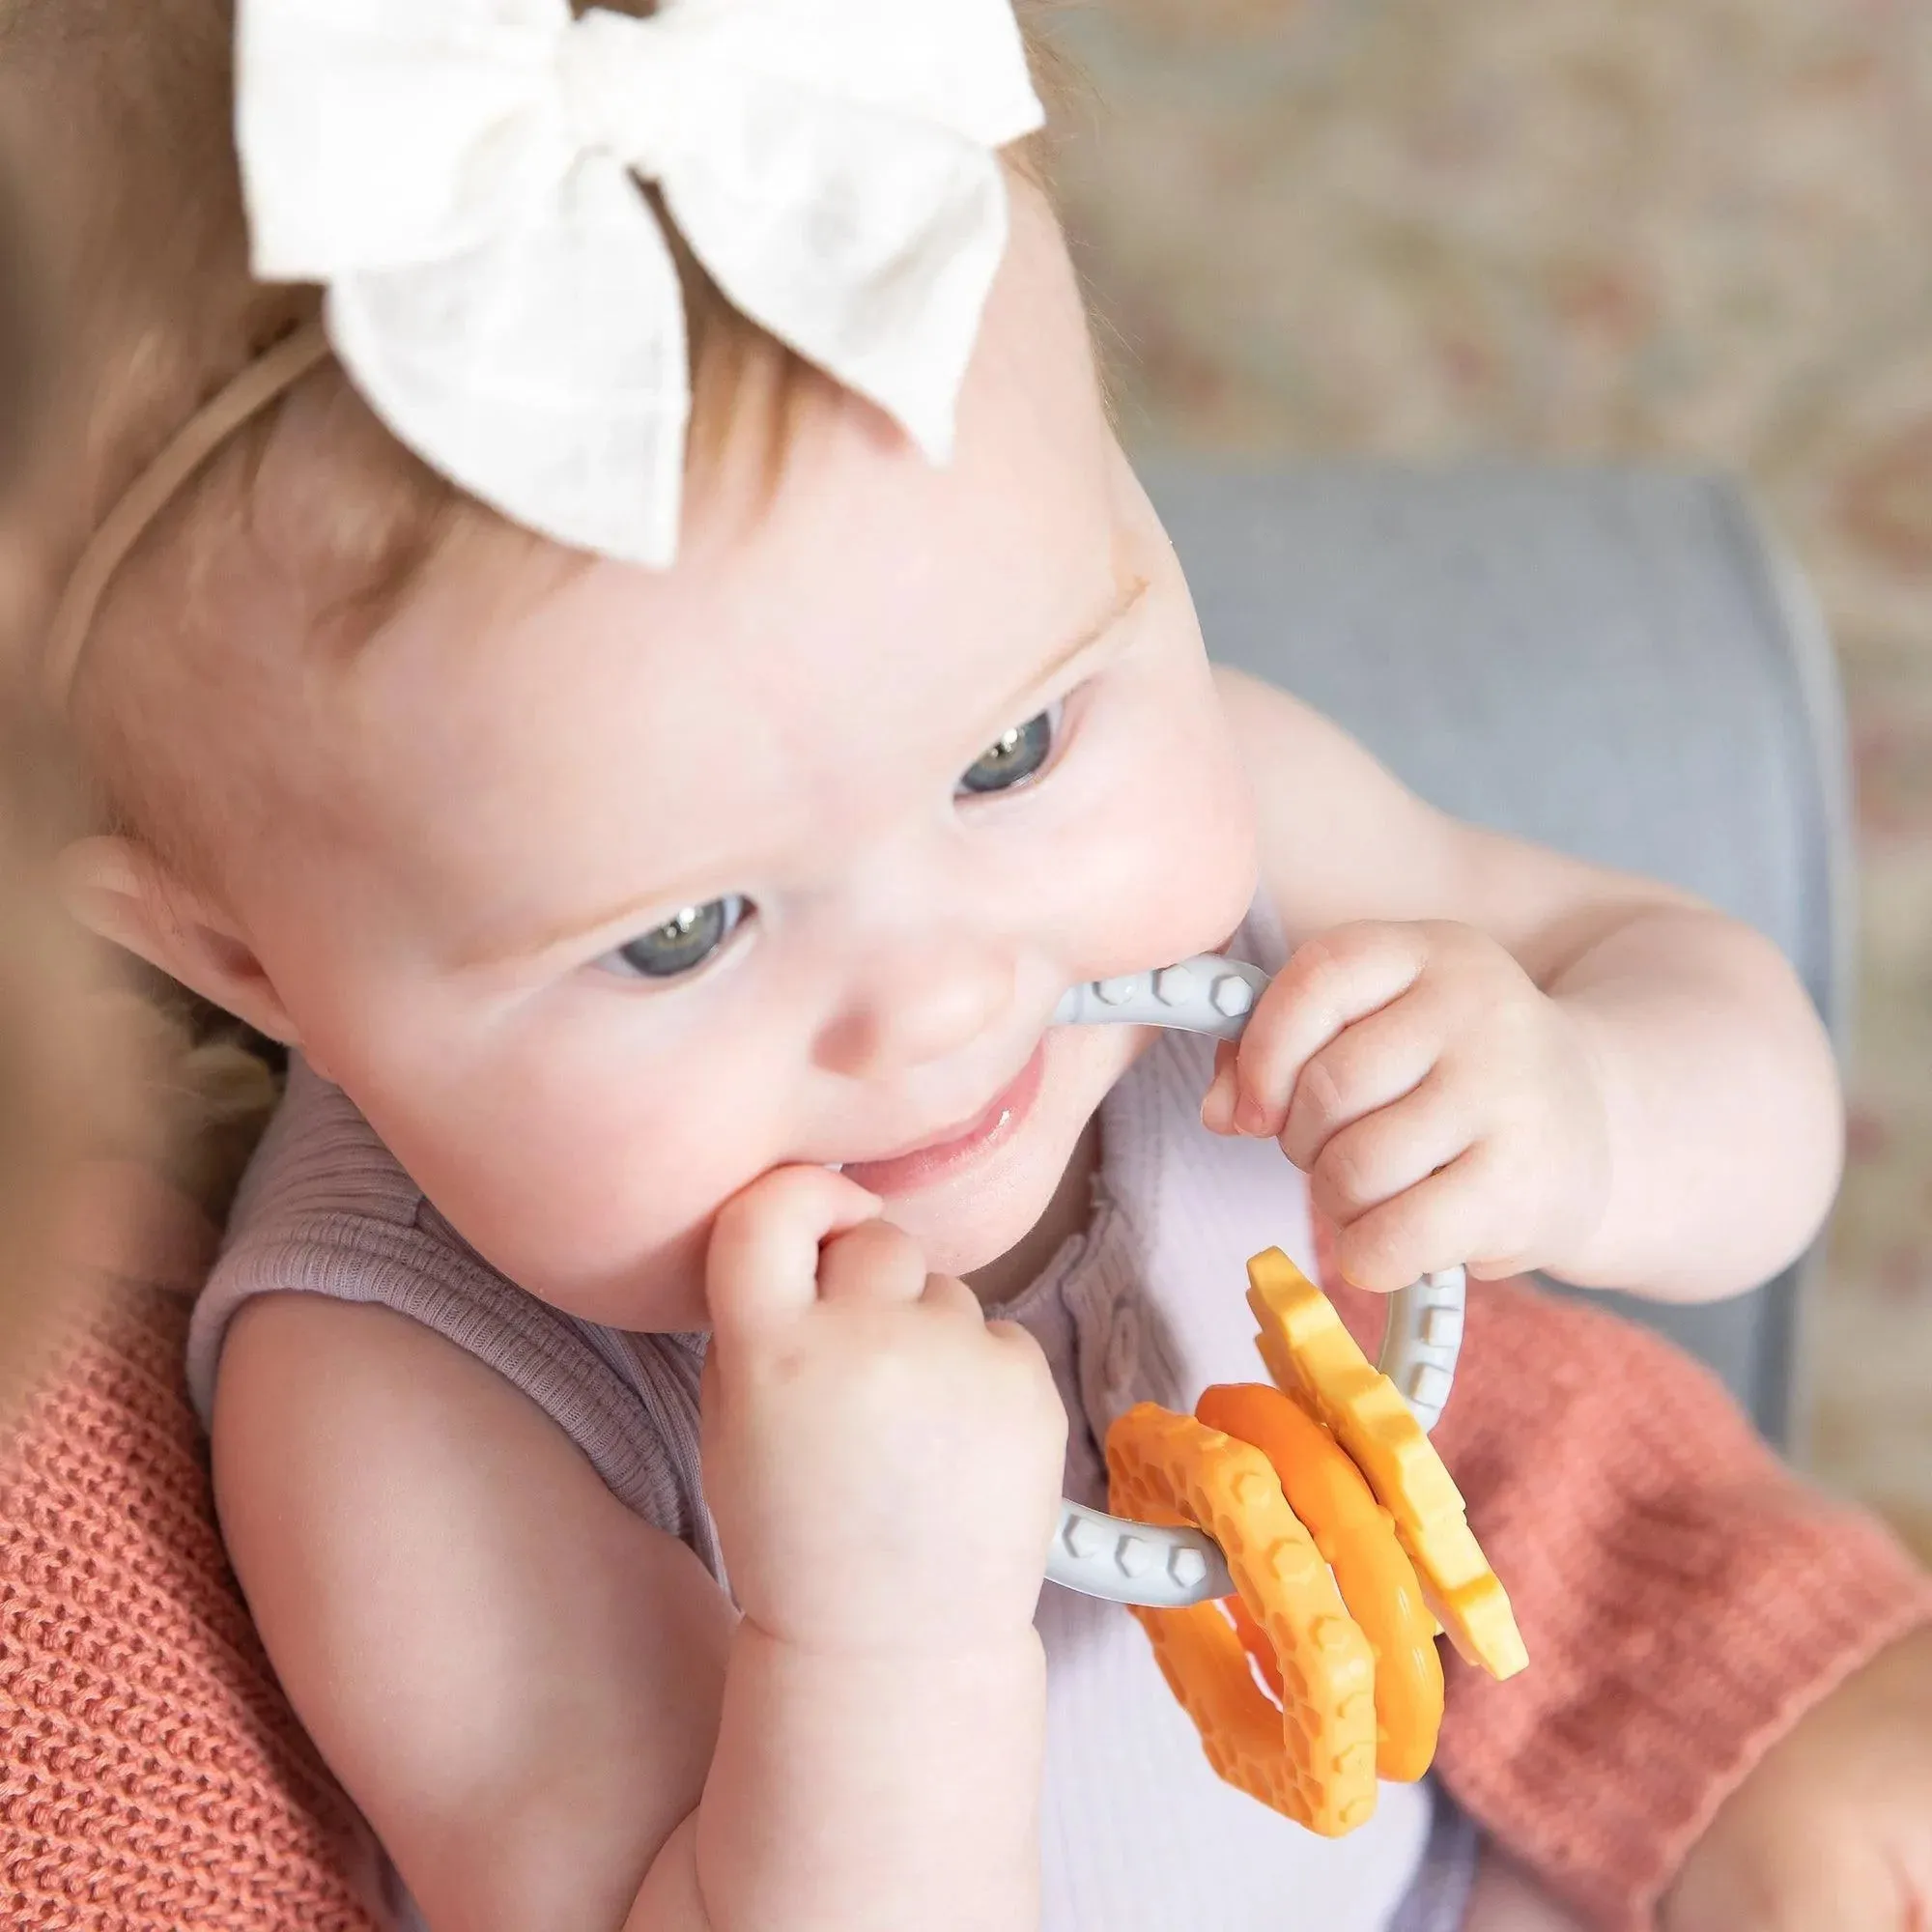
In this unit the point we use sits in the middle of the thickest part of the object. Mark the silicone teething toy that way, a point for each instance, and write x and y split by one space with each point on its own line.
1313 1358
1158 1565
1334 1445
1313 1757
1316 1507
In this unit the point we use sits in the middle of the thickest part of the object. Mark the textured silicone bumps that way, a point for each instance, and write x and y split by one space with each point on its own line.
1351 1654
1356 1539
1313 1758
1315 1359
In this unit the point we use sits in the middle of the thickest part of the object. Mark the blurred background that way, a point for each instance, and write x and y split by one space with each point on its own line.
1690 231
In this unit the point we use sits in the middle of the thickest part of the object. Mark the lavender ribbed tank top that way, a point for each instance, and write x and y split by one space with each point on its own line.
1138 1834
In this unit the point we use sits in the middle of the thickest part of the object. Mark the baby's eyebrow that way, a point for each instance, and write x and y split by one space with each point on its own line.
498 948
1131 592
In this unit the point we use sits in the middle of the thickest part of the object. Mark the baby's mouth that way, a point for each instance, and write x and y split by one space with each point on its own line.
951 1147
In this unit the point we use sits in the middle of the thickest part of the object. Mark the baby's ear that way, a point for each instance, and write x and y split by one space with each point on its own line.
124 895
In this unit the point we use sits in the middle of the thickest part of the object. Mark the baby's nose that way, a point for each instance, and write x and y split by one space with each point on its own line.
915 1008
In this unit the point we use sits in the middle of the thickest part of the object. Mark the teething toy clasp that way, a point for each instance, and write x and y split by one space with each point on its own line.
1126 1562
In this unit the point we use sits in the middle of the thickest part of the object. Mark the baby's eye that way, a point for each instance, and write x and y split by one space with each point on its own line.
682 943
1014 756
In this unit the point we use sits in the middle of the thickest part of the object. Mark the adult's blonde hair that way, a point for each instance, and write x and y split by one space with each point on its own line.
93 1070
57 1081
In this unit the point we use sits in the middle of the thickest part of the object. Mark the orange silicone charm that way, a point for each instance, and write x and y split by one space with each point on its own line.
1356 1539
1314 1760
1312 1359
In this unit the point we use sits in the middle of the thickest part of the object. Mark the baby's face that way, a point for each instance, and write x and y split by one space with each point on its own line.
604 892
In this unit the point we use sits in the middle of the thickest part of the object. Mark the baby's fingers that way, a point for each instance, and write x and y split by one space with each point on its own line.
1437 1224
1328 985
1217 1104
873 1262
1360 1076
763 1261
1392 1150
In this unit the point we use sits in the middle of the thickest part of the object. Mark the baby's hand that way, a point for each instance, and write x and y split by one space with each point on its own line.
1443 1107
1833 1829
884 1463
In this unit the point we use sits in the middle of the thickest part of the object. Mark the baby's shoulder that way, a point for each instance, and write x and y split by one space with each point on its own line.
350 1413
328 1219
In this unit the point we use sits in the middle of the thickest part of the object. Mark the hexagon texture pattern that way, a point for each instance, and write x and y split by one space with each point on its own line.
1311 1356
1357 1541
1314 1760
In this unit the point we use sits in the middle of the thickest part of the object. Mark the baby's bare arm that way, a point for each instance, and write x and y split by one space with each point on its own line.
1718 1091
524 1686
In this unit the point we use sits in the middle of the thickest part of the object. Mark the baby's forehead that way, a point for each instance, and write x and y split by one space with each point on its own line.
869 589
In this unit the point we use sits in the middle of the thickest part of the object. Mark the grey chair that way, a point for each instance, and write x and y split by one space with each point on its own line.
1614 662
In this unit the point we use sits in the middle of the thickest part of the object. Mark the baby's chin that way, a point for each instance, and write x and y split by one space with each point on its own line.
967 1220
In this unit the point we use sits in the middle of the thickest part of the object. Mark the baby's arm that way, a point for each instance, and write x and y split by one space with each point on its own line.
1661 1110
516 1679
545 1707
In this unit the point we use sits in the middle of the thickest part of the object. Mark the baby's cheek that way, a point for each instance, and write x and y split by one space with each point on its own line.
1197 853
600 1204
1166 864
598 1240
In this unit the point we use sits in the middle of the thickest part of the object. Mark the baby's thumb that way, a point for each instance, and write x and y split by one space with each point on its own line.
762 1263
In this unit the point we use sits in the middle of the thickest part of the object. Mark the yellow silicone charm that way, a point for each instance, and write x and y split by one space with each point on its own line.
1312 1357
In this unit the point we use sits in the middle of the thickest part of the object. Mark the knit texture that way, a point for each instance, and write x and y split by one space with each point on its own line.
1685 1598
151 1773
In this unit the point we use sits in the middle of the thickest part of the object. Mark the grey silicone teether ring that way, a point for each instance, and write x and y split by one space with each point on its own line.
1205 994
1128 1562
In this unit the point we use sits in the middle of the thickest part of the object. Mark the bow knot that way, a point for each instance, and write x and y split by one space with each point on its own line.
461 174
620 92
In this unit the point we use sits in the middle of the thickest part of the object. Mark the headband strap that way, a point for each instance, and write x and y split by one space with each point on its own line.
251 392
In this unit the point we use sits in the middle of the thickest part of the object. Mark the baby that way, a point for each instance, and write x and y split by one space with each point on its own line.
610 903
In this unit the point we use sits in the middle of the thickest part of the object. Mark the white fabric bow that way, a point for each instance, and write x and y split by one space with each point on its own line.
462 175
